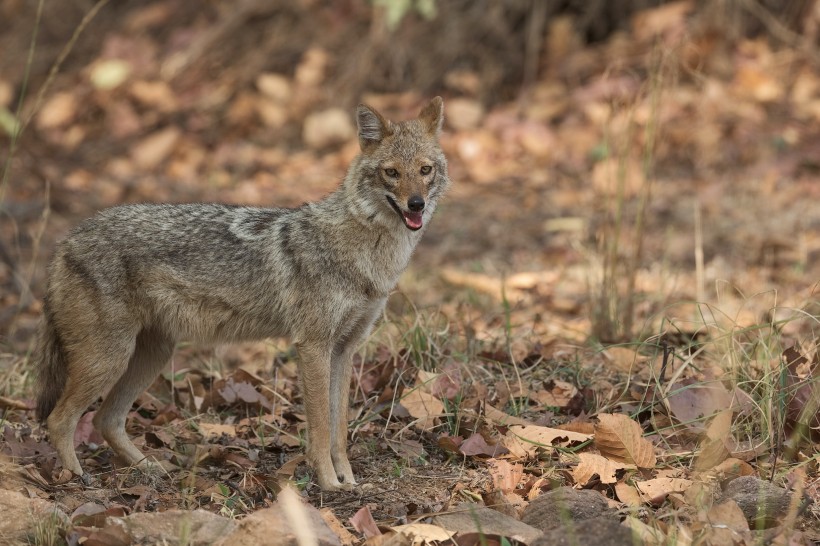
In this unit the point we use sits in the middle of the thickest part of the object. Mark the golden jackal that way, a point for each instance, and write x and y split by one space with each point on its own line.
129 283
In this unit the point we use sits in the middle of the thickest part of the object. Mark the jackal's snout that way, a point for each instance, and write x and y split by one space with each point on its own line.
415 203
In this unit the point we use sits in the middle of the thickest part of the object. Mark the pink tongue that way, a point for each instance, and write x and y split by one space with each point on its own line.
413 219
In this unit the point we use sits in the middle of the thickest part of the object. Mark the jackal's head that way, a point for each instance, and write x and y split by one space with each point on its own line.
403 162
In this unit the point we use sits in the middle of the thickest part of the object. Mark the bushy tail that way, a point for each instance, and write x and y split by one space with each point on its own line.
53 369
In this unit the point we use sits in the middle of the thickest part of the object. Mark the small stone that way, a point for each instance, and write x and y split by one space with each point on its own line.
22 516
200 527
600 531
762 503
564 507
473 518
274 527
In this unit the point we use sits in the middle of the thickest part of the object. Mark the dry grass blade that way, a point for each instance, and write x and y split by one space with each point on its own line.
620 438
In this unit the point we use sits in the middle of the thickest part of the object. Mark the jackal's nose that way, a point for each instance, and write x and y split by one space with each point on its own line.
416 203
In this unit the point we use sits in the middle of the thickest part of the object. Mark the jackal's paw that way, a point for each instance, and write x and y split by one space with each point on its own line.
347 481
332 482
335 485
343 470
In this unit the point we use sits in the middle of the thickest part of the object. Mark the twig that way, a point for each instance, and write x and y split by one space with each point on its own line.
667 351
15 135
779 30
532 53
55 68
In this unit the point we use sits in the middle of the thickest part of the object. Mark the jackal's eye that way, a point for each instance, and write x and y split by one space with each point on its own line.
426 169
392 173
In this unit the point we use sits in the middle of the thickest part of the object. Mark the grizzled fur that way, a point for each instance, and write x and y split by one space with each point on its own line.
128 284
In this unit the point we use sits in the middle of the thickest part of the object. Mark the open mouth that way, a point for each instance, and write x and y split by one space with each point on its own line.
412 220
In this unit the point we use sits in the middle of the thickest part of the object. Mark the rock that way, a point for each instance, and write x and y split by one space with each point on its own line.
275 527
762 503
565 506
327 128
24 519
600 531
463 114
473 518
190 527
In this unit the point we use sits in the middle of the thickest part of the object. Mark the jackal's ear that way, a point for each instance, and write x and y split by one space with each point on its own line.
432 116
372 126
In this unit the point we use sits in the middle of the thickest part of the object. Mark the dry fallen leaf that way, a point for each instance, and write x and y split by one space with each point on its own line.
592 463
85 433
424 533
57 111
620 438
345 537
804 398
657 489
498 417
713 448
723 524
732 468
364 523
623 359
155 148
424 407
494 286
692 402
525 441
477 445
505 475
559 395
215 431
628 495
242 391
288 469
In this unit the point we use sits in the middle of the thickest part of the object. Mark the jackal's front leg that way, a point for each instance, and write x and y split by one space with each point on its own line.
341 368
314 368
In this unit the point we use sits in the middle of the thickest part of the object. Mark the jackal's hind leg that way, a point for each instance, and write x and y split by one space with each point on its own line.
151 353
102 360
